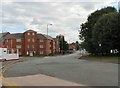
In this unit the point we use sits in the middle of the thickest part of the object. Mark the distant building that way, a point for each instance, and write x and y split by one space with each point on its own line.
31 43
72 46
60 37
57 46
61 40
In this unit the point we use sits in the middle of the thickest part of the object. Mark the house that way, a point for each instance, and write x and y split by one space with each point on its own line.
72 46
30 43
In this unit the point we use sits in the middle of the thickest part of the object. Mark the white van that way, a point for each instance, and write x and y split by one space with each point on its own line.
4 55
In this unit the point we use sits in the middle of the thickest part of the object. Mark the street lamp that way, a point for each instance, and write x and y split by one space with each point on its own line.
100 50
47 38
100 47
47 29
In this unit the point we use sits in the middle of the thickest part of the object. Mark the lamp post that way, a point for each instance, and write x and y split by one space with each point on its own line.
100 50
47 39
100 47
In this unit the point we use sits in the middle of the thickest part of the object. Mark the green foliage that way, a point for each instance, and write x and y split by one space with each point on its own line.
100 33
77 45
63 46
106 33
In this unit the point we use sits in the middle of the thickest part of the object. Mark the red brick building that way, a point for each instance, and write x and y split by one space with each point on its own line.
2 37
30 43
72 46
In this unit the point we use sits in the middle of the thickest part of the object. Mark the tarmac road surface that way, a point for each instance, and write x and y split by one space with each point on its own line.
69 68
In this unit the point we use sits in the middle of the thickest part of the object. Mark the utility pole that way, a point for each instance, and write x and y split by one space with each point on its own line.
47 39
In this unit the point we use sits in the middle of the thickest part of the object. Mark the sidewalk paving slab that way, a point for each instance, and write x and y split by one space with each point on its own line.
37 80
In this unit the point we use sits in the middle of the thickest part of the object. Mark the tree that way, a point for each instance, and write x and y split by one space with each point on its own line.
106 33
77 45
86 33
63 46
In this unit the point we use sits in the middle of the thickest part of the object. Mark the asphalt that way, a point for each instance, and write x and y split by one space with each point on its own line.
68 68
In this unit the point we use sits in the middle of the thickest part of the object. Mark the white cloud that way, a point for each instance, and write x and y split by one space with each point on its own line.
66 15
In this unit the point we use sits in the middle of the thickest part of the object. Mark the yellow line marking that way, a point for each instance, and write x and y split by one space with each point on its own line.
6 83
10 84
1 77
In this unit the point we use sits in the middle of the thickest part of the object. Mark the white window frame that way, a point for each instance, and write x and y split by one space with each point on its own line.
33 33
41 46
33 40
41 40
6 40
28 40
18 46
28 33
18 40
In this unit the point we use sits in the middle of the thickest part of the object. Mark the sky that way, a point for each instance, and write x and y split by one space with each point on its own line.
64 15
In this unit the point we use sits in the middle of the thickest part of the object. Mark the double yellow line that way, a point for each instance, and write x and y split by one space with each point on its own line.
7 83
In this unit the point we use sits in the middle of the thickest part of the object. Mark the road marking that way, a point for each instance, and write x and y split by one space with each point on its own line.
10 84
1 77
7 83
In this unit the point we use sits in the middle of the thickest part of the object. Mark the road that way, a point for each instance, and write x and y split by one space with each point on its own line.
69 68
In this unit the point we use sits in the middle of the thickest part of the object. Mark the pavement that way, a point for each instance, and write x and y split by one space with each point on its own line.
37 80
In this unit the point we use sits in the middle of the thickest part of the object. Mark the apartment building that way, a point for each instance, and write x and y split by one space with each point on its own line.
31 43
2 37
72 46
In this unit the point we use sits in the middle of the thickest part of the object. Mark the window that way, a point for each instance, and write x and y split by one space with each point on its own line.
18 40
33 33
7 40
33 40
33 46
28 33
28 40
41 52
28 46
41 46
41 40
18 46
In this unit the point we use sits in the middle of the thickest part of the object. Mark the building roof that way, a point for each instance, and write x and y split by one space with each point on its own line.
40 36
2 37
3 34
43 36
48 37
56 39
30 31
15 36
21 36
18 35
